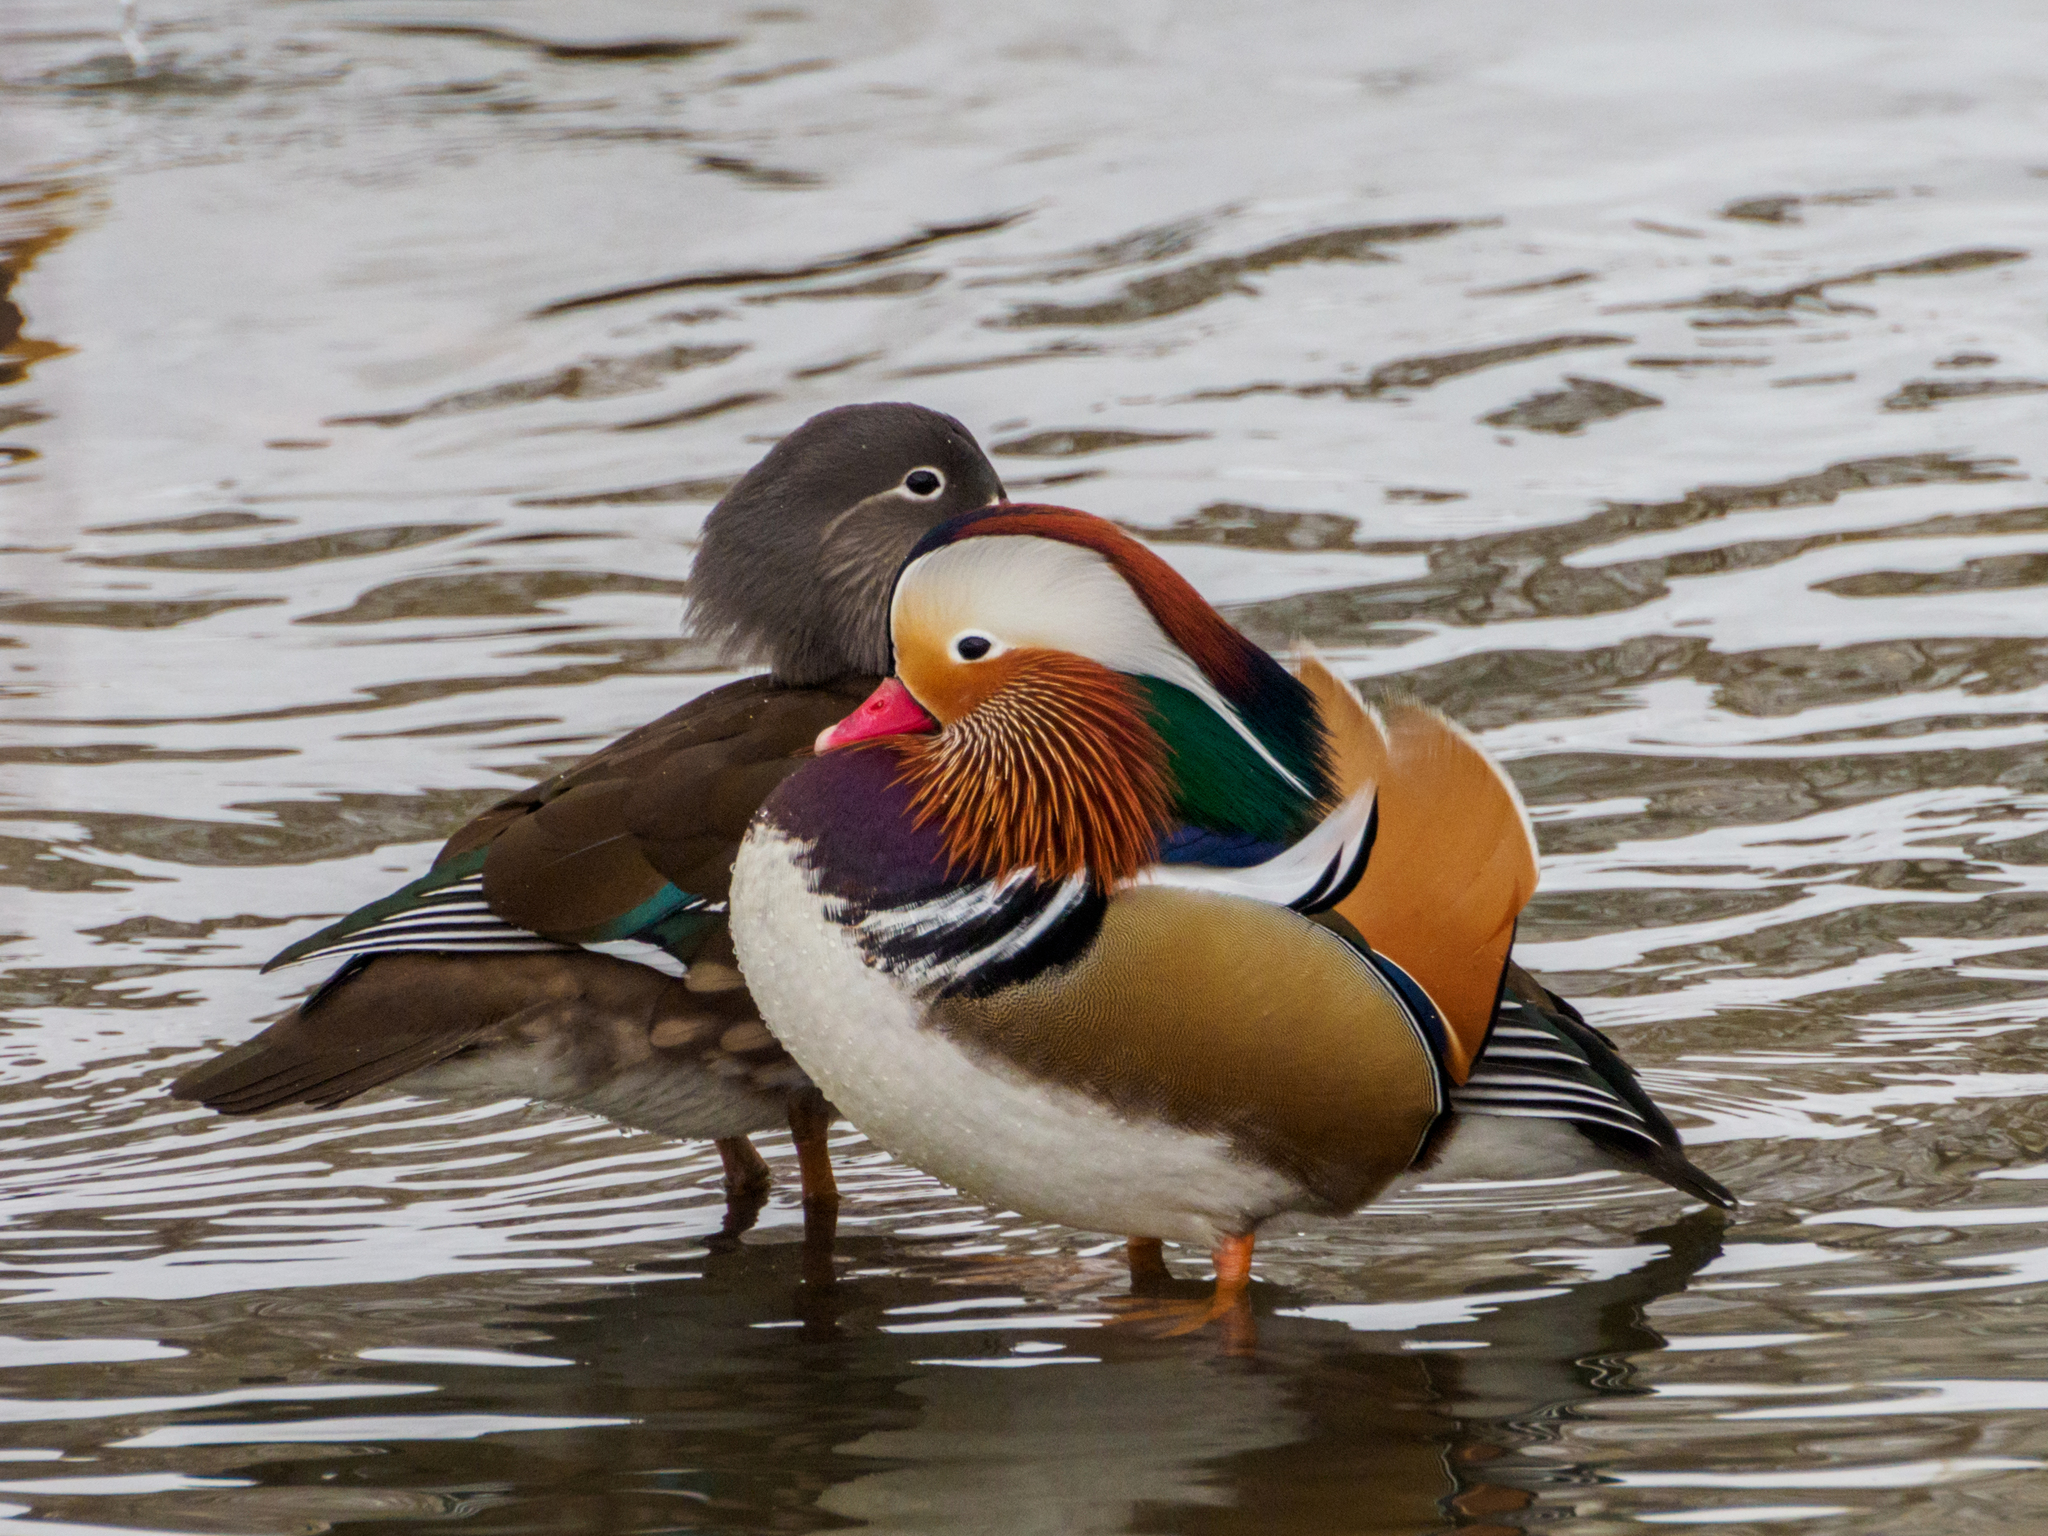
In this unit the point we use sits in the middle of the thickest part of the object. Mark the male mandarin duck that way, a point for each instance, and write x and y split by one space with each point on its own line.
1097 913
570 943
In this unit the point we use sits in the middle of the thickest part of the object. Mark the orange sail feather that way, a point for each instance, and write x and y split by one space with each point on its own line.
1454 861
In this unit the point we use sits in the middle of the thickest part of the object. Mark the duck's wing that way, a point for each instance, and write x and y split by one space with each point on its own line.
1544 1062
629 850
627 853
1453 857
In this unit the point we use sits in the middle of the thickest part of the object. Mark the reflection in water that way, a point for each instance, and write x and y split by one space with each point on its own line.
1662 401
1567 410
913 1402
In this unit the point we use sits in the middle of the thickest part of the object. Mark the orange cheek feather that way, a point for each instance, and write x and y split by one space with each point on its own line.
951 690
1049 762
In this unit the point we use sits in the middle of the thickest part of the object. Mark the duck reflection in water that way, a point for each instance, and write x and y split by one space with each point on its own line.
891 1408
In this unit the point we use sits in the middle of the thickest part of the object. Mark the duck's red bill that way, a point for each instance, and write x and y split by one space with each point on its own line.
888 711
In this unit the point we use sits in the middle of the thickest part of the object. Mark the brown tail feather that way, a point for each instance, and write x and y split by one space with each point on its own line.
577 1019
1454 862
290 1065
394 1014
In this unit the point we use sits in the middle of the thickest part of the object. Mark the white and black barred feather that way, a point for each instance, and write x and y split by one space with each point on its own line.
1544 1064
455 919
975 939
1311 875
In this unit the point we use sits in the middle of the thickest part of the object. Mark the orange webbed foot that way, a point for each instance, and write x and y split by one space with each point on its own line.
1229 1305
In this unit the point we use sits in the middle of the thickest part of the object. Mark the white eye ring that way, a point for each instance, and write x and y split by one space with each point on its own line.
973 645
929 482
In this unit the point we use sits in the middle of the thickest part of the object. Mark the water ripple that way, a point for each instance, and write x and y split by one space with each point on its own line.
1659 400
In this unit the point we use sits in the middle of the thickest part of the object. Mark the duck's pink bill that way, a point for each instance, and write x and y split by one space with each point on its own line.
888 711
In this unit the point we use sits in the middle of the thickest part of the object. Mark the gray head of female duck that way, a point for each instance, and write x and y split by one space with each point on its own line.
797 560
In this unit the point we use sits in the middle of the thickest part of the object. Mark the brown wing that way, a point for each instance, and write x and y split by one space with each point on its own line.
1453 863
714 716
667 803
569 857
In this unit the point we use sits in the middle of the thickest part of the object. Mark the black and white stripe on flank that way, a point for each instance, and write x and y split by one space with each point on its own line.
1531 1071
451 920
976 938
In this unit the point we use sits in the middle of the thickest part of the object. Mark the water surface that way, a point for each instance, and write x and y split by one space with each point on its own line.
1660 394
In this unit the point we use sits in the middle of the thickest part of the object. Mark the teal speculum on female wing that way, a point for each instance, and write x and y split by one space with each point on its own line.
1004 944
570 943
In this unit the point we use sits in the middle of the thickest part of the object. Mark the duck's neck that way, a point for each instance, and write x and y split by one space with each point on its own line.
1225 784
853 813
1058 774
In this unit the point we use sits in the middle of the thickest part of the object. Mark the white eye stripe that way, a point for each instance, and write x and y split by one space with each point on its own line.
1045 592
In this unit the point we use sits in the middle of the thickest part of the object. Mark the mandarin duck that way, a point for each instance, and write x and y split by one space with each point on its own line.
1098 914
570 944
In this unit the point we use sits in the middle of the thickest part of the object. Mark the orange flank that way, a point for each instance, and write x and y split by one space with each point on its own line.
1453 863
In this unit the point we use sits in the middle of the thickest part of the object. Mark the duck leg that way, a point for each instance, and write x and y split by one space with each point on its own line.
810 1117
1147 1258
746 1184
746 1172
1229 1304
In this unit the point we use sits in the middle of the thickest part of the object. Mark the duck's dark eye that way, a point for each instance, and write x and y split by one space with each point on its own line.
924 482
973 647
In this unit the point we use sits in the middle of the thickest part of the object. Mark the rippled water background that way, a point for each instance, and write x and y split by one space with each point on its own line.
1658 389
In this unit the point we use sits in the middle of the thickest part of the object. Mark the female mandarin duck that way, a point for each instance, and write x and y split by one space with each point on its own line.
569 944
1073 913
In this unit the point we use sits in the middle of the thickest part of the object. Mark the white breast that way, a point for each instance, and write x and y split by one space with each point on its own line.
1015 1142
